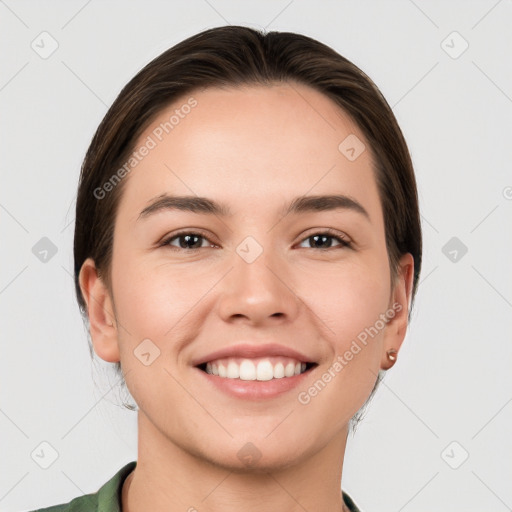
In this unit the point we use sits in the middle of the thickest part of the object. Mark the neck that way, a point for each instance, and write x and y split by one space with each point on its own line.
170 478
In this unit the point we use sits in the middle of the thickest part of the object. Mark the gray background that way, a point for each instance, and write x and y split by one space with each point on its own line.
449 395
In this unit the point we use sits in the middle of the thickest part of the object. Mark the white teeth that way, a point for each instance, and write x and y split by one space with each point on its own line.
278 371
289 371
247 370
259 369
264 371
233 370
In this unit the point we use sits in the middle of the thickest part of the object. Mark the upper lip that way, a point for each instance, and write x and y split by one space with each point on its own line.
247 350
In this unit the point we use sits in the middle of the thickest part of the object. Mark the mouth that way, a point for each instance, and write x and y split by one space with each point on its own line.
256 369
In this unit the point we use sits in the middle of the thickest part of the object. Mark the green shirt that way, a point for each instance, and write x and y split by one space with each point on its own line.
108 498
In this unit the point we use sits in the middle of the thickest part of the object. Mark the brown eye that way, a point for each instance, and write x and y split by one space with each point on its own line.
324 241
187 241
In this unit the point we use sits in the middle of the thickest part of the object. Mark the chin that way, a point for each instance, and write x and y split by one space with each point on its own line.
253 458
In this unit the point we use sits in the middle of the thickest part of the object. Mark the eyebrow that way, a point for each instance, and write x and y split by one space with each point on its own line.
206 206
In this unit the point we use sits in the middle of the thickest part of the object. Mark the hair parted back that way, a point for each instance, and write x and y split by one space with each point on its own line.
233 56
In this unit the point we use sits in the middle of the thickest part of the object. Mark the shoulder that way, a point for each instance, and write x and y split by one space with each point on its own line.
87 502
106 499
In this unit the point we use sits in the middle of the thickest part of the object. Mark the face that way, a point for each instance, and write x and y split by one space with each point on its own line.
267 285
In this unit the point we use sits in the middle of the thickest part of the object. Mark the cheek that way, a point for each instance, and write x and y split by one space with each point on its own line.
157 304
348 305
347 298
159 300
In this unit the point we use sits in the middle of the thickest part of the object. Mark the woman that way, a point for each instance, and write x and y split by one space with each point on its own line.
247 248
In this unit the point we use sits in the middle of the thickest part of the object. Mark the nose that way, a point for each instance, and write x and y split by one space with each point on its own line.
258 292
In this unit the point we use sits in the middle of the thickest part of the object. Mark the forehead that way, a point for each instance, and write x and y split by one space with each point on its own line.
250 144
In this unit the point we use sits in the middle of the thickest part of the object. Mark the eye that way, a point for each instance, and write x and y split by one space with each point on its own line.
187 240
324 239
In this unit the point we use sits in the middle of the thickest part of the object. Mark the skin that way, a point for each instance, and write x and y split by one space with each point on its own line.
192 303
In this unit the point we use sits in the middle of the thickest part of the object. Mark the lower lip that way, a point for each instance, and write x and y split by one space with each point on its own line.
255 389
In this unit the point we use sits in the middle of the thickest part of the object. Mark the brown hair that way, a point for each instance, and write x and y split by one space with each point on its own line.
233 56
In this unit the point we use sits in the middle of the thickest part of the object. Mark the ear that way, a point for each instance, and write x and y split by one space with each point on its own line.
398 312
100 312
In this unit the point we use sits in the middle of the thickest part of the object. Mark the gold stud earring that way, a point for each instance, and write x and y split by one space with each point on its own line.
391 353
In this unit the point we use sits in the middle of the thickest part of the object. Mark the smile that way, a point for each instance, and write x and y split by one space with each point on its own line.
262 368
254 371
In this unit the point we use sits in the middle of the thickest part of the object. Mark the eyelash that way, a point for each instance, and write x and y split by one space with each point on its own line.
328 232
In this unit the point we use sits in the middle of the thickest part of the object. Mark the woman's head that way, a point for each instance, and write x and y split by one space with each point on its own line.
258 144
